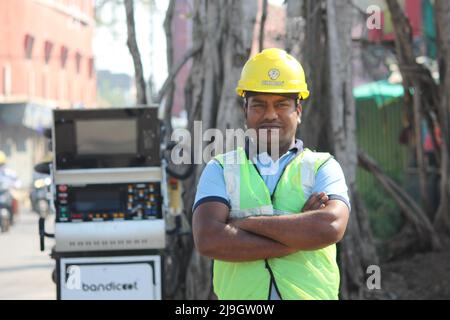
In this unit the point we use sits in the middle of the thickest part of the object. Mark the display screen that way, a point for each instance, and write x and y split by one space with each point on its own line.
96 201
106 137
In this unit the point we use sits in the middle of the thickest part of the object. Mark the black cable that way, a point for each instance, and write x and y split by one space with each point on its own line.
180 176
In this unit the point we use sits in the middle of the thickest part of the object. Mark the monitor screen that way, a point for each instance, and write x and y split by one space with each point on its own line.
105 137
89 200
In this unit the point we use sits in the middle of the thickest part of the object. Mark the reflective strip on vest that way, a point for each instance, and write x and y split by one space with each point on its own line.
231 173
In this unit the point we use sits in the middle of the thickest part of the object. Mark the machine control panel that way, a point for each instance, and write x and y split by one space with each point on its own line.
112 202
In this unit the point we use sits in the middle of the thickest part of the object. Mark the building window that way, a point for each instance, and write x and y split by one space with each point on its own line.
91 68
28 46
78 61
48 46
64 55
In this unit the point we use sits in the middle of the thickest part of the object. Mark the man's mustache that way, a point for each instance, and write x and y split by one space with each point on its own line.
270 125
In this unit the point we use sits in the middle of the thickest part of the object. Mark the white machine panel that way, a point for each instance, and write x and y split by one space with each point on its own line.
110 235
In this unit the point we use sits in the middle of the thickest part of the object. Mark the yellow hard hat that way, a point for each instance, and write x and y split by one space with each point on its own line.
2 158
273 71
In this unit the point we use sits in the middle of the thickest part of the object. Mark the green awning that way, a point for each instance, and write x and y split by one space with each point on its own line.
382 92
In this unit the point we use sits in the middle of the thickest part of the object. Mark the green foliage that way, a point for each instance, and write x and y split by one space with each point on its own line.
378 131
384 214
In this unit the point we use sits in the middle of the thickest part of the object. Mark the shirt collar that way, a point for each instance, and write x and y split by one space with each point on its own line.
297 148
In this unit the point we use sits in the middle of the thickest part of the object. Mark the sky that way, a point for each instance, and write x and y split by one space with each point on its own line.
110 49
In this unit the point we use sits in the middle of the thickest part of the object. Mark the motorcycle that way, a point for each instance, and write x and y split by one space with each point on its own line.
6 207
40 196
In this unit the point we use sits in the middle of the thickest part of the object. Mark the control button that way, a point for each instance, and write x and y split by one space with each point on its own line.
62 195
62 188
62 201
151 187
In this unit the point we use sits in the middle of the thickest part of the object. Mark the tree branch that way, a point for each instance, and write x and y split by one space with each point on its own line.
407 63
168 105
410 209
141 97
262 24
189 54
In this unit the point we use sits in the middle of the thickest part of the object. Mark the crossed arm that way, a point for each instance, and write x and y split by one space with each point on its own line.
321 224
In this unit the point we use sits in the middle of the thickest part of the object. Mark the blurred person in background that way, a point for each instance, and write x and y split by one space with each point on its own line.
8 181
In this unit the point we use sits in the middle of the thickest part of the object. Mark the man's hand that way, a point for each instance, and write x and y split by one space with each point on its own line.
315 202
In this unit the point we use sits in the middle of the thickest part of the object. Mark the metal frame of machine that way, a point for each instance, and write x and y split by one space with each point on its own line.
107 207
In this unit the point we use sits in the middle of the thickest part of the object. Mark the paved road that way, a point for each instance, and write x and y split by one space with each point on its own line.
25 271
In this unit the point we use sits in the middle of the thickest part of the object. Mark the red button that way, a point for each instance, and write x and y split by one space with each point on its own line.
62 188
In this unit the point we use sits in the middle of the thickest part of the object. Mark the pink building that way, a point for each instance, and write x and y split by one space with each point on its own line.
46 53
46 61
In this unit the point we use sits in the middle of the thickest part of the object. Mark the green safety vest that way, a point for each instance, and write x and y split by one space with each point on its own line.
302 275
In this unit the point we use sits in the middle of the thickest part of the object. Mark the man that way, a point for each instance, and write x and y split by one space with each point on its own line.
7 176
8 181
272 236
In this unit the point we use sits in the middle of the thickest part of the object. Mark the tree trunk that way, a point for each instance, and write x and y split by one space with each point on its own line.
306 39
141 96
428 98
224 30
169 98
442 220
357 248
410 71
